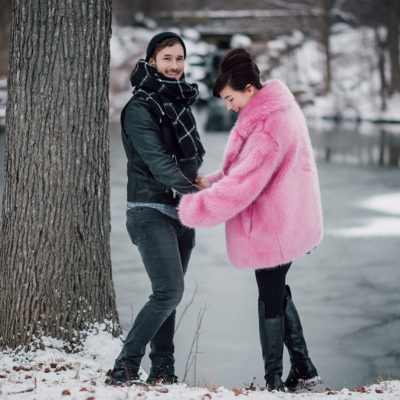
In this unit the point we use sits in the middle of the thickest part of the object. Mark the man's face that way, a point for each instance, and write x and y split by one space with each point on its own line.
170 61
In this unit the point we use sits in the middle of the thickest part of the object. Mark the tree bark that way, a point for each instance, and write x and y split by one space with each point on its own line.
54 247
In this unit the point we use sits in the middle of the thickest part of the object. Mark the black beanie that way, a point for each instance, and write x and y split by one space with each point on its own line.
159 38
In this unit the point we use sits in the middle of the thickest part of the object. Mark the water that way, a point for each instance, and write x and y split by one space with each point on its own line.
346 291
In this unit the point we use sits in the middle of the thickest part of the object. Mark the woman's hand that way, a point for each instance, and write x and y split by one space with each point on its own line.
201 182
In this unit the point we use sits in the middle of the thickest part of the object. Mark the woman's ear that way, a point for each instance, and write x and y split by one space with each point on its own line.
152 61
249 89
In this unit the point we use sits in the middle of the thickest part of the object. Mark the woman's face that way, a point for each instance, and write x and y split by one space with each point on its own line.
237 100
170 61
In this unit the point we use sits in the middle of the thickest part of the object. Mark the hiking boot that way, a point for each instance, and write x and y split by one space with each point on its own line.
163 373
121 375
162 379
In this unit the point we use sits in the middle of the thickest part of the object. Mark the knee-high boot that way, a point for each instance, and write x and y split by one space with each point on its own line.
271 337
302 371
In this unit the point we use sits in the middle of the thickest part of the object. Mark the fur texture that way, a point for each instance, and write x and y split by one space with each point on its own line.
267 191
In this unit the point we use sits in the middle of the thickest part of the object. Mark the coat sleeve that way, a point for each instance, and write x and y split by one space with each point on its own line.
215 176
253 169
143 132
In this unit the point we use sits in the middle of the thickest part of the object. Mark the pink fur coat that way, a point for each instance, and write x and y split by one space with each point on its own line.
267 191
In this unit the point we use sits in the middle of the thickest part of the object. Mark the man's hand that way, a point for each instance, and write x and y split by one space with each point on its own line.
201 182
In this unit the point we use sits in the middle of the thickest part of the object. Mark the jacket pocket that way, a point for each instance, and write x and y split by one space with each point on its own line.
247 219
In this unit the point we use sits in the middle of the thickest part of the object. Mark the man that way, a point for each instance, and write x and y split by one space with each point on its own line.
164 154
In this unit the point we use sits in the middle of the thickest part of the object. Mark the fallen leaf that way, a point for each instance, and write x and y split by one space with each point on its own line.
53 365
2 376
163 390
208 395
237 391
93 383
361 389
28 377
66 392
47 370
83 390
378 391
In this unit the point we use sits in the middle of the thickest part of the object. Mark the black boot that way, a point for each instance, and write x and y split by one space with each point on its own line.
162 354
121 374
303 373
271 337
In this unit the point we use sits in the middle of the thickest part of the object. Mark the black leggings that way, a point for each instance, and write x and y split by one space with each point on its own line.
271 289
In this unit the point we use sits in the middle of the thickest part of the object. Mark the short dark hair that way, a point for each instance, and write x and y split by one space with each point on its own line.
237 69
171 41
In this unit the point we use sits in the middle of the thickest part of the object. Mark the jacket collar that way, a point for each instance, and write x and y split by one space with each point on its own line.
273 96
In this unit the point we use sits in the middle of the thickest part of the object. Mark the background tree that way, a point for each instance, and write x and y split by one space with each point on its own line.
393 8
54 246
325 23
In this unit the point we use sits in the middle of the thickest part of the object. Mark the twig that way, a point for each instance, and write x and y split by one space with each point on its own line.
187 305
192 358
25 391
252 386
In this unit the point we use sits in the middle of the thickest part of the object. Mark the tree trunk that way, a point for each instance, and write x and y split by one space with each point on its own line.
393 44
54 247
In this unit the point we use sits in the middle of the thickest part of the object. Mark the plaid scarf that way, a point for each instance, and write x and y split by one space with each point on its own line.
172 98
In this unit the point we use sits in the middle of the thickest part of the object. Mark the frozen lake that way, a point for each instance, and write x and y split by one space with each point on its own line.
347 290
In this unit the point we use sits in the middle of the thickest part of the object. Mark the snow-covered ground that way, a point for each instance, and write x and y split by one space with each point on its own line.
52 374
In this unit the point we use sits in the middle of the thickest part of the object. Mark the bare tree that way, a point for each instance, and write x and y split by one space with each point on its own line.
54 241
393 44
380 48
326 21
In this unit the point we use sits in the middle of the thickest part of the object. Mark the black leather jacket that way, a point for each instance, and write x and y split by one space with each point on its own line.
153 156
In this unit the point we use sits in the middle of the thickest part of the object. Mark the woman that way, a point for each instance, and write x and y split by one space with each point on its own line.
268 194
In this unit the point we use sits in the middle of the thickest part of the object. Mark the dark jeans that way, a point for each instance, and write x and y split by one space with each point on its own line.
271 289
165 246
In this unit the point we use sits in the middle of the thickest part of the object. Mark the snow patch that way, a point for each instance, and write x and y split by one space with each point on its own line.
54 374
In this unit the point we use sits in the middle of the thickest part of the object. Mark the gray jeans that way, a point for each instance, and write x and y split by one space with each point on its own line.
165 246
